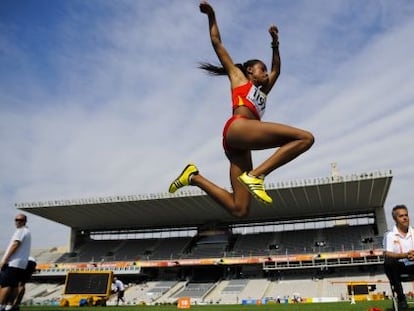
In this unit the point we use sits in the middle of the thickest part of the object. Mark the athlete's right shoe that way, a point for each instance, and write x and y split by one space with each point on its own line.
184 178
255 185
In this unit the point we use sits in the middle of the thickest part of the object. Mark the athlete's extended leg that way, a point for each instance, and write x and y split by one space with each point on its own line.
257 135
237 202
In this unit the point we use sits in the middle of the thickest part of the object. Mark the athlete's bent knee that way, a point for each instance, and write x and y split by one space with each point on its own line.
240 211
308 139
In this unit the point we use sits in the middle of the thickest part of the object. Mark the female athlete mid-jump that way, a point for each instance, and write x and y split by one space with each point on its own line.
244 131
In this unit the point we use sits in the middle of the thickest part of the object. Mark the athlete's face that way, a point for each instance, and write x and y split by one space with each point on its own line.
259 74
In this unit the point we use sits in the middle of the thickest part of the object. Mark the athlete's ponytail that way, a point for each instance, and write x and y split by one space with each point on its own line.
215 70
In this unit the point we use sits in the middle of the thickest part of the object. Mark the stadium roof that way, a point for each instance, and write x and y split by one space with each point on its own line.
303 199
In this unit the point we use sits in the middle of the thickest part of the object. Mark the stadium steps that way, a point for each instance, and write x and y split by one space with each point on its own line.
227 292
169 296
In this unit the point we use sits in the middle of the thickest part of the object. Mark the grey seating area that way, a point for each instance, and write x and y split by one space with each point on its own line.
45 255
161 287
235 286
301 241
68 257
127 250
195 290
350 238
109 250
208 247
152 249
171 248
252 244
136 249
339 238
92 251
207 251
98 250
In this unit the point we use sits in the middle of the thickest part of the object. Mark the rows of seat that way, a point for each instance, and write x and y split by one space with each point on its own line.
343 238
216 292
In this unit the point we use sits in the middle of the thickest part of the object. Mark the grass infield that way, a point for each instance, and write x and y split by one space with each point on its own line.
384 305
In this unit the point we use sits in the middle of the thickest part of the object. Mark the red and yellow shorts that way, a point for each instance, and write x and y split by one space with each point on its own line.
228 149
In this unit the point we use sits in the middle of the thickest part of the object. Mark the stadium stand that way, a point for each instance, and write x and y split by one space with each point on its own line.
170 248
317 236
135 249
47 255
234 286
253 244
195 290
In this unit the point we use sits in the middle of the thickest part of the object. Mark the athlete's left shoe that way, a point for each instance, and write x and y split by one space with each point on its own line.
255 185
184 178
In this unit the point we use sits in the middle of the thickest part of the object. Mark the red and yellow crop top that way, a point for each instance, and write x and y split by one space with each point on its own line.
250 96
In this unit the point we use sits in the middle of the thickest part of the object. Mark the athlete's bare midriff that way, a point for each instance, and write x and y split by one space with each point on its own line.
245 112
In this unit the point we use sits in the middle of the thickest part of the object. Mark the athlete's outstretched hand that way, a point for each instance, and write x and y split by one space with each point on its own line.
206 8
274 32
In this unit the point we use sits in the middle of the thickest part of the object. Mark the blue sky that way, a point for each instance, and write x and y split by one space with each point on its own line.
103 98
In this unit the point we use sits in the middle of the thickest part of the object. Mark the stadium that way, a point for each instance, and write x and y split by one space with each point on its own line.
320 241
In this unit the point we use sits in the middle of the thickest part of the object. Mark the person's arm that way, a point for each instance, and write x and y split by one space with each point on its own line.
10 251
235 75
395 255
275 69
409 255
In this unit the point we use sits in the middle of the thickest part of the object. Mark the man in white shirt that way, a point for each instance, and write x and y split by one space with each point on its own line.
399 252
17 298
14 261
119 288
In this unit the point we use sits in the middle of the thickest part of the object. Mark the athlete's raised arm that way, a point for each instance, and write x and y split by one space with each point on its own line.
234 73
275 69
244 131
